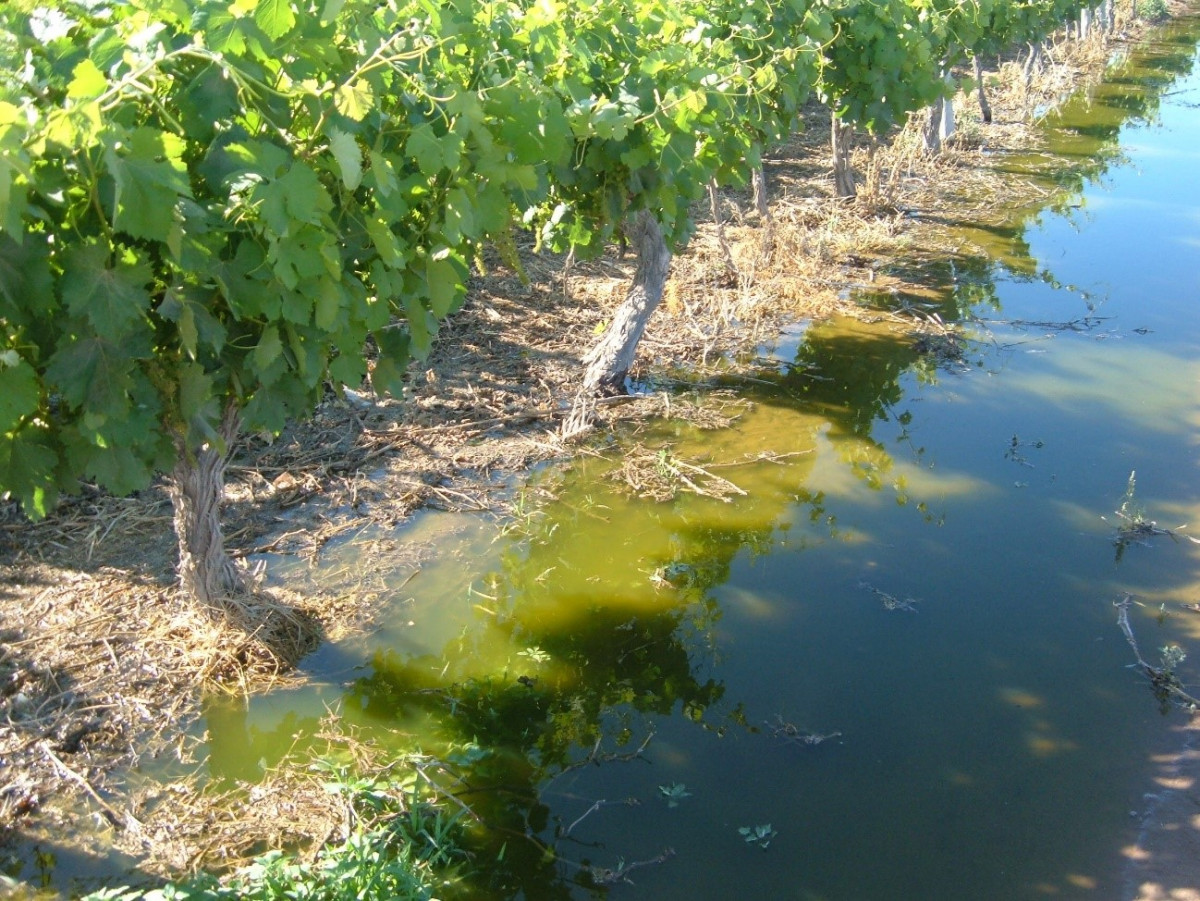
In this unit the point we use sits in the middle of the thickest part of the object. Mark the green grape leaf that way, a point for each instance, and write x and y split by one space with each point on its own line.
199 406
87 82
26 285
20 394
247 296
445 283
433 153
27 464
295 197
354 100
267 354
331 10
113 299
395 347
274 17
384 175
269 408
458 217
329 302
422 326
347 369
345 150
13 203
188 308
149 180
115 466
93 374
223 31
305 346
390 247
296 306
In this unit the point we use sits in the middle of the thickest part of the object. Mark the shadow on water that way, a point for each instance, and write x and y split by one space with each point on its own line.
601 656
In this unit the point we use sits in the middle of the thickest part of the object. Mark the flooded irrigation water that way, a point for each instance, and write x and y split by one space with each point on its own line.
892 668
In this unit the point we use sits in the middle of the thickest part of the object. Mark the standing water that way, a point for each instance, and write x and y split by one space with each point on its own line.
885 663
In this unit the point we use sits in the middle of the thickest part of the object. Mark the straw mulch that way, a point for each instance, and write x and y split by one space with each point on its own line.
102 662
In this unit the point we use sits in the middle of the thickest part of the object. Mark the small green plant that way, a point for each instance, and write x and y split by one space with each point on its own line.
534 654
1130 510
758 835
401 847
674 793
1151 10
1172 655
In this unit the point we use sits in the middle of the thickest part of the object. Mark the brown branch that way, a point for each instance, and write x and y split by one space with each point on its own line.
127 821
626 802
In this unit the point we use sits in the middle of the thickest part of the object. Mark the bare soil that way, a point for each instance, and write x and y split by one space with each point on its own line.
103 663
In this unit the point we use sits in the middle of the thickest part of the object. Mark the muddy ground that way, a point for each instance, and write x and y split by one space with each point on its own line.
103 663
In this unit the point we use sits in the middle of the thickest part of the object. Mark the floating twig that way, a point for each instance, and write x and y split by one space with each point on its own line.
792 734
626 802
1166 684
620 873
126 821
1135 528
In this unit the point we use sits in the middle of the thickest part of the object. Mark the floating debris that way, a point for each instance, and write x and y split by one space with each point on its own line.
1163 679
620 873
1135 527
792 734
678 575
890 601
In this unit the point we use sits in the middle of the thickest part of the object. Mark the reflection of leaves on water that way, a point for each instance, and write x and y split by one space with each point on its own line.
674 793
760 835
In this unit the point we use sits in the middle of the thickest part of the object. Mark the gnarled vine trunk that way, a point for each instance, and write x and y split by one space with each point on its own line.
1032 62
843 176
985 108
940 125
197 490
714 202
758 184
609 362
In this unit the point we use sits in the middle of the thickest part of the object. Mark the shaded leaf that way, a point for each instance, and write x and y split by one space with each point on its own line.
395 345
113 299
93 374
446 286
27 465
20 394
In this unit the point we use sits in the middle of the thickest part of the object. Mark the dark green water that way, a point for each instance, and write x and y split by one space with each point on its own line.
992 743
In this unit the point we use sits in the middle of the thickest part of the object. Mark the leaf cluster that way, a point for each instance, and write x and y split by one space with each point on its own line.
887 58
208 205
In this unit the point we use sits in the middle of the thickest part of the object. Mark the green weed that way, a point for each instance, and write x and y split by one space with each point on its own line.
401 848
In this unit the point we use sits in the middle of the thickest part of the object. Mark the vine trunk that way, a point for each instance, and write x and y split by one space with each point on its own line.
609 362
197 489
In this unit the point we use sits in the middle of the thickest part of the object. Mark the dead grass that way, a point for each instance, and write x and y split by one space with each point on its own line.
103 663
